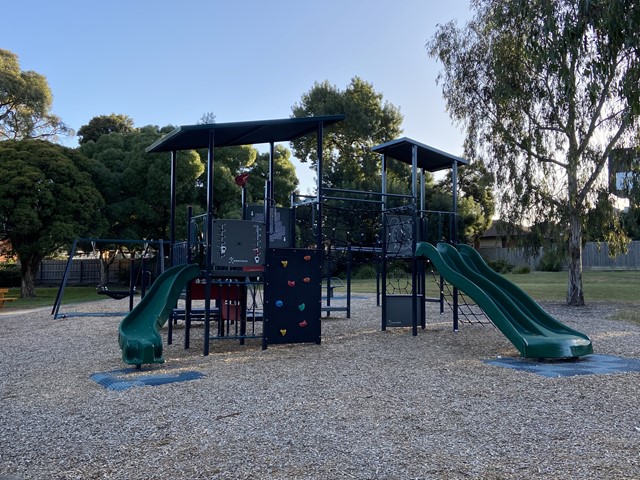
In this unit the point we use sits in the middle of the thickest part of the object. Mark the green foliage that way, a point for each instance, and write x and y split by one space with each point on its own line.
553 259
631 222
46 200
546 89
227 164
136 185
25 103
103 125
521 269
363 272
603 223
9 275
349 162
398 268
285 179
500 265
475 205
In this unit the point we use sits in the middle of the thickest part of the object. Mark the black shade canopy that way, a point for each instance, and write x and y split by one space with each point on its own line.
188 137
429 158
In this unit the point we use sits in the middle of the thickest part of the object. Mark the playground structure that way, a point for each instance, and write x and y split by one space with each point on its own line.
238 258
266 254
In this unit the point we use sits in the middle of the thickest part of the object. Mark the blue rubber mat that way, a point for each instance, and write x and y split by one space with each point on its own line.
588 365
123 379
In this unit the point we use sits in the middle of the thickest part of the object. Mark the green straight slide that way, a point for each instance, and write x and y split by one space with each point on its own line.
139 333
534 332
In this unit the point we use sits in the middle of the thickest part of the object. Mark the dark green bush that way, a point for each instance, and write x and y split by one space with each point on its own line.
500 265
553 259
9 275
364 272
521 269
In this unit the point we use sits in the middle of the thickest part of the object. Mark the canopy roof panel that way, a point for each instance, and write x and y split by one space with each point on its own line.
188 137
429 158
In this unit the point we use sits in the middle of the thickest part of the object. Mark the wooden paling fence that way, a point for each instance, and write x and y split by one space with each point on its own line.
594 257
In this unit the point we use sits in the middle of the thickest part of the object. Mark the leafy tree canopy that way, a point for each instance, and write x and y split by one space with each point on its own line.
46 200
136 184
228 163
476 202
348 159
105 124
25 103
284 174
546 90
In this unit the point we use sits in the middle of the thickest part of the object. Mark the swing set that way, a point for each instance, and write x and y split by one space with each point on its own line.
143 260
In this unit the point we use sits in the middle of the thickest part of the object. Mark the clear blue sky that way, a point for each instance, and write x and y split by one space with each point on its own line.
168 62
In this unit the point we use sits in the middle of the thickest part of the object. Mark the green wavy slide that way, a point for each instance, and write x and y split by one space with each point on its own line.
534 332
139 332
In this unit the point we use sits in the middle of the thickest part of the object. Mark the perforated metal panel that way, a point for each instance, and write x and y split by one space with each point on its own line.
280 228
238 243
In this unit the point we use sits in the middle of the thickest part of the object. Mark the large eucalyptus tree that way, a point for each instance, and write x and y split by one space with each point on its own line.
546 90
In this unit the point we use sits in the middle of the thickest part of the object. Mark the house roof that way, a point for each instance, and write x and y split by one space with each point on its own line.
429 158
188 137
501 228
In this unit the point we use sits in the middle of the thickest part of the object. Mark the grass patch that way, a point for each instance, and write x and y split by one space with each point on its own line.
618 286
622 286
598 285
46 296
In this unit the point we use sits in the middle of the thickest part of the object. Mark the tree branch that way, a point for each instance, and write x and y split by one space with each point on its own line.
586 188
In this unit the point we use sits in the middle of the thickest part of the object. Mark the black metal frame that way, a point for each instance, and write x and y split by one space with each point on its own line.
55 311
228 134
422 158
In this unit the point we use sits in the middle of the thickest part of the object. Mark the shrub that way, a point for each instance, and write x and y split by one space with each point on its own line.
521 269
552 260
398 268
9 275
364 272
500 265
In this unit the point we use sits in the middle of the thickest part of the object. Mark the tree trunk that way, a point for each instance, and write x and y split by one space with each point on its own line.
104 273
28 271
575 293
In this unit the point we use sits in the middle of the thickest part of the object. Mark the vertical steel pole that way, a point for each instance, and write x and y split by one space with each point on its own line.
383 246
319 192
454 191
172 207
319 195
349 261
292 214
414 261
191 242
63 283
454 234
208 244
422 234
269 202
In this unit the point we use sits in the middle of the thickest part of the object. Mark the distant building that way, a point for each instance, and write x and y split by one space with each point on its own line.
624 173
500 235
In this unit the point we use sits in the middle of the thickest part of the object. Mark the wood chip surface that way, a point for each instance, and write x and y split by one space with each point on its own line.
364 404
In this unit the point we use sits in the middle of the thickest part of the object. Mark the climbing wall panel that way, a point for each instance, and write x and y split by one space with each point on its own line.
292 296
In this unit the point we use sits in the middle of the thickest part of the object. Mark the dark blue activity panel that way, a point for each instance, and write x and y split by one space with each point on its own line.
292 296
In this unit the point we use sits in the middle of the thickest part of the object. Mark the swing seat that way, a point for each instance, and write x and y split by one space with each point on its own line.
115 294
